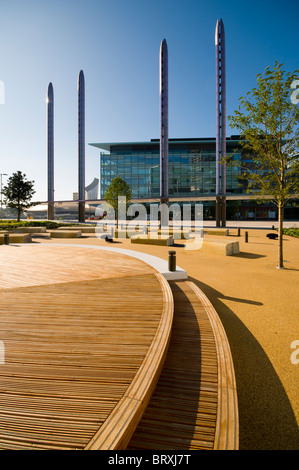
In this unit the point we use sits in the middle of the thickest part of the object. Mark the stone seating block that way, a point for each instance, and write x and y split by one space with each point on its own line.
30 230
175 233
145 240
220 247
81 229
17 238
65 234
223 232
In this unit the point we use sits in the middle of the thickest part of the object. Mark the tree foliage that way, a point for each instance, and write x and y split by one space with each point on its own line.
118 187
268 123
18 192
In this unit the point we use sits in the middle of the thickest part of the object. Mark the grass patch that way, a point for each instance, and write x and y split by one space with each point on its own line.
49 224
293 232
13 224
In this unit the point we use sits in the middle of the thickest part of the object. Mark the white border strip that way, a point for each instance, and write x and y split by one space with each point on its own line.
159 264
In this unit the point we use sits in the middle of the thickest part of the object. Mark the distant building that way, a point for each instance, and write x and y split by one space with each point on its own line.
191 175
91 191
191 172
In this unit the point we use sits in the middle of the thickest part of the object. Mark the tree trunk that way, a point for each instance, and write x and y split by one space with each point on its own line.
19 211
280 236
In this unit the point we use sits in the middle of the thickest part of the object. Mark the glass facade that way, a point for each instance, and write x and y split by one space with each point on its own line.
191 173
191 170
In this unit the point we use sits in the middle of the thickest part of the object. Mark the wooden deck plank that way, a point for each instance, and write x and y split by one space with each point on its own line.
187 407
227 426
118 429
182 412
31 265
75 338
84 348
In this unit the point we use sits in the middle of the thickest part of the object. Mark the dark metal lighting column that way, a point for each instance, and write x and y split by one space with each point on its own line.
220 125
81 147
164 121
163 125
50 106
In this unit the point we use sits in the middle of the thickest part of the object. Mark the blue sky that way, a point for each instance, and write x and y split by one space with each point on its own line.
116 43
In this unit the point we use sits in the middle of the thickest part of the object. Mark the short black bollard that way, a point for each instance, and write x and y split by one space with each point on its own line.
246 237
6 239
171 261
239 231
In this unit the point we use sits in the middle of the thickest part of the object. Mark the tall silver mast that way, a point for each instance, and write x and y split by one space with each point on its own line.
50 143
220 125
81 147
164 122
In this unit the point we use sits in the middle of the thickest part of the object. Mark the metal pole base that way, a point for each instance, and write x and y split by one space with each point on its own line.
51 212
223 212
164 212
220 211
81 212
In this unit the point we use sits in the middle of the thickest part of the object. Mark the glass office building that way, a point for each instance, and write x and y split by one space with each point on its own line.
191 174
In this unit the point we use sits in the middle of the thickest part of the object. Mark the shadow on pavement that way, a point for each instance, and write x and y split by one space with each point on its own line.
266 417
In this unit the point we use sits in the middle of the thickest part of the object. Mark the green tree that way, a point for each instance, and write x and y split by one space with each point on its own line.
18 193
268 123
118 187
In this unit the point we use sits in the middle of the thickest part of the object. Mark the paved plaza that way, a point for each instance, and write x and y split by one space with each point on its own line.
257 305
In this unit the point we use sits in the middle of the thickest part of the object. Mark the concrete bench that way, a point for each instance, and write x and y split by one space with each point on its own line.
30 230
65 234
16 238
223 232
121 233
146 240
81 229
177 234
220 247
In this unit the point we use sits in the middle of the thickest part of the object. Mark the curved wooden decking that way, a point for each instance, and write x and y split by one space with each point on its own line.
86 333
194 405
